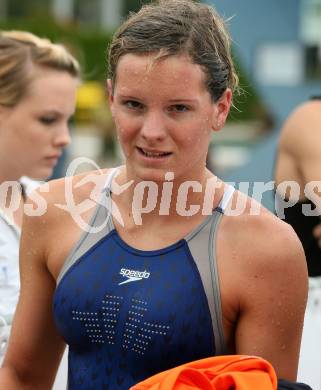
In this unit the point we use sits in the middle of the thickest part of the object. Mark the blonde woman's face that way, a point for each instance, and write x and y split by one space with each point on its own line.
35 131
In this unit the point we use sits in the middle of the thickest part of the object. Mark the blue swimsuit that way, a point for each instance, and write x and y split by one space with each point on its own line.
127 314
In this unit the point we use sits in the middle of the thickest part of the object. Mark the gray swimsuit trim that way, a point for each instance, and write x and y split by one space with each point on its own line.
201 243
100 225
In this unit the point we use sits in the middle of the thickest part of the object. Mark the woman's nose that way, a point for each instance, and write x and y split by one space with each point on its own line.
154 127
62 138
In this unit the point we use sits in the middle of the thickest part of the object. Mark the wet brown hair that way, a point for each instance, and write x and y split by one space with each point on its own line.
173 27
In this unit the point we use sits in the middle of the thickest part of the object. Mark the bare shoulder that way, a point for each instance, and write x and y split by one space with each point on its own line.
301 131
304 114
265 242
57 196
78 187
50 209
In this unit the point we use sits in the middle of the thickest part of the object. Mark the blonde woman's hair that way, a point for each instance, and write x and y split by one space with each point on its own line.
20 51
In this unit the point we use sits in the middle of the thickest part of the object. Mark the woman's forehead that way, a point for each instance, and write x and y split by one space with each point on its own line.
50 89
137 70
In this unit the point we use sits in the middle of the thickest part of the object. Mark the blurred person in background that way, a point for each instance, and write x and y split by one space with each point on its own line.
38 81
136 295
299 161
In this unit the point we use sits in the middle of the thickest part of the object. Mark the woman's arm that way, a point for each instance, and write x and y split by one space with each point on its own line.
273 298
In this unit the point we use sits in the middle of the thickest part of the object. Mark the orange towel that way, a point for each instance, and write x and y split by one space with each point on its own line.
231 372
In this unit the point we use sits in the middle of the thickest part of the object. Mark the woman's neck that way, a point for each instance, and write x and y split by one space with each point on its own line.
170 199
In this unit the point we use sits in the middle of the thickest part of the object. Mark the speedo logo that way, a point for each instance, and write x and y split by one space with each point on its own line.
133 276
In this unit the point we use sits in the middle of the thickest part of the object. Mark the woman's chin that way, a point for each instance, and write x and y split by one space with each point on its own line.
40 173
149 174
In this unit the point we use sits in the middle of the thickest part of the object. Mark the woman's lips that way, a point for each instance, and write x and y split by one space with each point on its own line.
52 159
156 154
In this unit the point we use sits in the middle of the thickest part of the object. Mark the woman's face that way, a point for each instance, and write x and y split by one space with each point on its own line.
34 132
164 116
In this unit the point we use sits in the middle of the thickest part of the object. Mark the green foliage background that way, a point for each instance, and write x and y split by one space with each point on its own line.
90 46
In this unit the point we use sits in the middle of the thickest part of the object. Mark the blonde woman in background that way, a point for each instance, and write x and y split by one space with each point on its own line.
38 81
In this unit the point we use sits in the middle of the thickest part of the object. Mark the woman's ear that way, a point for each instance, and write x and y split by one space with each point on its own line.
222 109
